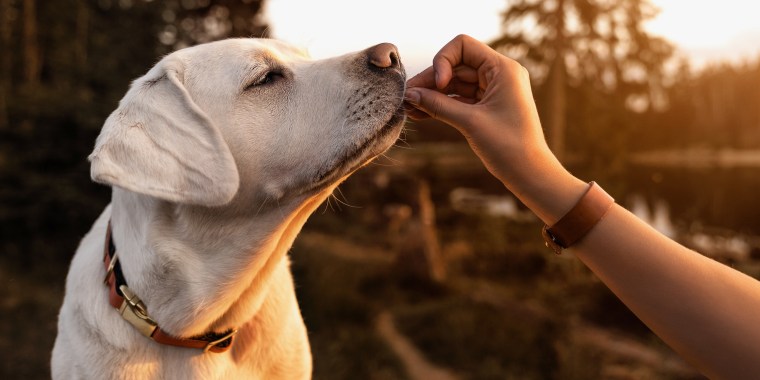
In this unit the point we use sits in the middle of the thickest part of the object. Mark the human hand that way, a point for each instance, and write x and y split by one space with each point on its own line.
488 98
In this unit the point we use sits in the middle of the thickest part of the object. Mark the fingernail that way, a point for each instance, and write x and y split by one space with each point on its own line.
412 96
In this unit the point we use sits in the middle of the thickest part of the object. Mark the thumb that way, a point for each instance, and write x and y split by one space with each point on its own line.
437 105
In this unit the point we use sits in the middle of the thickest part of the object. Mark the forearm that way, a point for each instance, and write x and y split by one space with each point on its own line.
541 183
703 309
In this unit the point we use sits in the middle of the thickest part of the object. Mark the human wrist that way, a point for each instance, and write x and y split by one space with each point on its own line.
585 214
545 186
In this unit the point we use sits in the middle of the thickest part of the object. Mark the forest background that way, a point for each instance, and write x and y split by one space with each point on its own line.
428 240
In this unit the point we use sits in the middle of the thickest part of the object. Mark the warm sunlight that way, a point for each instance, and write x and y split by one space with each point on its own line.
704 31
700 24
707 30
419 28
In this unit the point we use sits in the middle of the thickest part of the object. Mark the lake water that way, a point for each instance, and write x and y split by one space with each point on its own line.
713 210
695 198
711 206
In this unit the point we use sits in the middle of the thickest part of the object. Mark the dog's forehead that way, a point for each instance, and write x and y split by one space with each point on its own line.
247 49
284 49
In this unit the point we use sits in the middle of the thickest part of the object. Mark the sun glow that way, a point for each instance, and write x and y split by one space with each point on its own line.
703 30
710 30
418 27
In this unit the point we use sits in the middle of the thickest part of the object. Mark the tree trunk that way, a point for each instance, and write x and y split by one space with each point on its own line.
431 246
557 101
31 54
82 25
31 49
5 61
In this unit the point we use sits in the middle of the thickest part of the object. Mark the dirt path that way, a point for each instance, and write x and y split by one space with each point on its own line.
416 365
633 351
636 354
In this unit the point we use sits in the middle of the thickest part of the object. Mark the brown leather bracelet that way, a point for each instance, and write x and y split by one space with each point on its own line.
572 227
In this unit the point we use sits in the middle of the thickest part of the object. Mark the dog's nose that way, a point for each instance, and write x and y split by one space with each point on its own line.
383 56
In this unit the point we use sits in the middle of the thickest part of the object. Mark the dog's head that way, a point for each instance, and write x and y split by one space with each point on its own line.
250 118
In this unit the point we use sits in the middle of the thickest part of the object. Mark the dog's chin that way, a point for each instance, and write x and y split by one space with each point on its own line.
354 159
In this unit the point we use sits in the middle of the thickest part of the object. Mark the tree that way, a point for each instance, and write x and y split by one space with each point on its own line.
597 44
714 108
190 22
5 60
64 65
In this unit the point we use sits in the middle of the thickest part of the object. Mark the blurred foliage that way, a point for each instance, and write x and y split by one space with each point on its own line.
715 108
64 66
587 58
601 44
484 341
340 316
190 22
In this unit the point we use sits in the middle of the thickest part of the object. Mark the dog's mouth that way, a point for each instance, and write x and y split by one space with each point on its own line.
371 147
372 118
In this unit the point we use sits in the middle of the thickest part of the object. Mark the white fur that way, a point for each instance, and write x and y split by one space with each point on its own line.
212 180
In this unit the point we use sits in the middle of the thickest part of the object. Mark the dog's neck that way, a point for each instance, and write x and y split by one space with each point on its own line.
201 270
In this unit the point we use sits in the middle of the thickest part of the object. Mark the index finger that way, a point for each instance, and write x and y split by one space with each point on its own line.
426 78
423 79
463 49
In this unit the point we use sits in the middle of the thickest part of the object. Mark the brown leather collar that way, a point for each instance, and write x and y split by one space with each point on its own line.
134 311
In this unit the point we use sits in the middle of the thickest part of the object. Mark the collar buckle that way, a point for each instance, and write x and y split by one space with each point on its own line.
111 265
134 311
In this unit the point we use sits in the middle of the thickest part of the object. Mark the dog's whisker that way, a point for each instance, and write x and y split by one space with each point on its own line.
393 161
345 200
279 208
326 205
404 146
262 206
337 202
383 165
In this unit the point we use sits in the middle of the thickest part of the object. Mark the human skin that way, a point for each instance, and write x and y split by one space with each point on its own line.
703 309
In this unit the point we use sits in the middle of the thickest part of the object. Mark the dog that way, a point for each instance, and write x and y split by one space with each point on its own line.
216 158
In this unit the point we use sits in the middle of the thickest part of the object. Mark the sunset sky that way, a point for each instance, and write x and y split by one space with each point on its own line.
420 27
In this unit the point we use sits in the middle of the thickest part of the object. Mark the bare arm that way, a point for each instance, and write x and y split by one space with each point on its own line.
703 309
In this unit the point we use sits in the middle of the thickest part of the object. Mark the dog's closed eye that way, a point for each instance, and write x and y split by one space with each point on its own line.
267 78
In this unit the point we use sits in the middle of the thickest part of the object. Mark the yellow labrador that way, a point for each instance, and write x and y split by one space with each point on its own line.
217 156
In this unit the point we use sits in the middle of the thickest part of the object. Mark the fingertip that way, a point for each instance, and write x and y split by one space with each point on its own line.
413 81
442 76
412 96
414 112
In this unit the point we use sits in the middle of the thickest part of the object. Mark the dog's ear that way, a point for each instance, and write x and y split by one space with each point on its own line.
158 142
